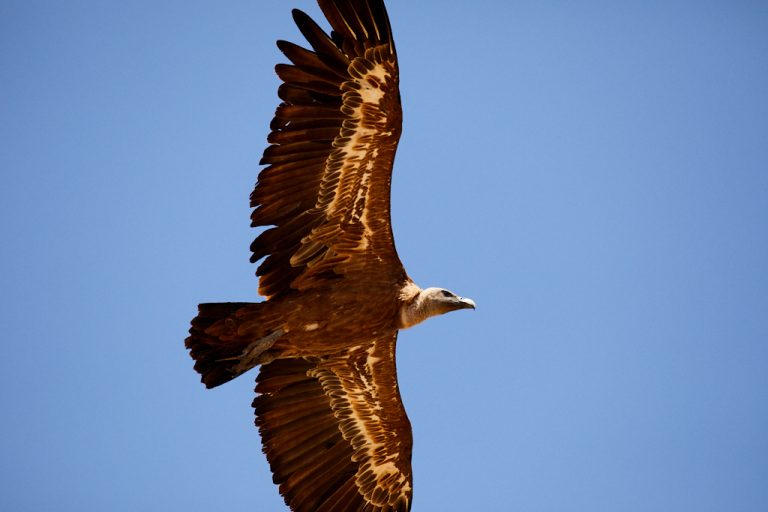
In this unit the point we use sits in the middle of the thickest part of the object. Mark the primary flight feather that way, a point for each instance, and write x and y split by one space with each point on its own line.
328 408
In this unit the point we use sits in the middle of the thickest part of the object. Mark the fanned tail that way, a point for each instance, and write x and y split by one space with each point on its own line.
229 338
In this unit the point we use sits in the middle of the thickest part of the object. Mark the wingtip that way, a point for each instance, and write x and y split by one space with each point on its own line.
299 16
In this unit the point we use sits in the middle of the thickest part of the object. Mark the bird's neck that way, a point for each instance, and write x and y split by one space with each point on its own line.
414 308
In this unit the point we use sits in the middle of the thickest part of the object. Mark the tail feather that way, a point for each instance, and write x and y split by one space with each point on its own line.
214 343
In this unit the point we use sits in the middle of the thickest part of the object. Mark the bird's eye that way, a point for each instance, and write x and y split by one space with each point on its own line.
446 293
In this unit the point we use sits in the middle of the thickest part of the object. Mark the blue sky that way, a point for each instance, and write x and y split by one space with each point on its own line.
594 174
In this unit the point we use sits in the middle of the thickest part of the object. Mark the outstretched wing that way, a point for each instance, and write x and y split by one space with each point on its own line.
335 432
333 142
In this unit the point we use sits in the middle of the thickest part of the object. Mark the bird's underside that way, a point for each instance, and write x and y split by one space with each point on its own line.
328 408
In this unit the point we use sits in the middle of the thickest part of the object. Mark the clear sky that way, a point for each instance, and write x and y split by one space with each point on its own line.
593 174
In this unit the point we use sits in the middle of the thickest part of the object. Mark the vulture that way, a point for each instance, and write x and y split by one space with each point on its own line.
328 408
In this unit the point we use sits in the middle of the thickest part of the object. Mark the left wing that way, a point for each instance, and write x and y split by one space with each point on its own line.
335 432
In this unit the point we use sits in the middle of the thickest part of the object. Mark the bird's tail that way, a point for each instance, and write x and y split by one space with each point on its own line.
229 338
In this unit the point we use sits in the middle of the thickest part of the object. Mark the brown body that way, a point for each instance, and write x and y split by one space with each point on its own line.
322 320
323 315
329 412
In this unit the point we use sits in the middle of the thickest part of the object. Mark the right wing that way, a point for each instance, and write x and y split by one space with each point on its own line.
326 189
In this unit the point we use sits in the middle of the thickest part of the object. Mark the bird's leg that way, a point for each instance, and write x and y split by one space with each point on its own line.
254 353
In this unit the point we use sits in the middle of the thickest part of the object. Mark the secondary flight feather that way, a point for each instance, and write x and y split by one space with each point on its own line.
328 408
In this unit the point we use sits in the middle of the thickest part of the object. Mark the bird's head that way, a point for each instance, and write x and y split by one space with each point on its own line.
431 302
440 300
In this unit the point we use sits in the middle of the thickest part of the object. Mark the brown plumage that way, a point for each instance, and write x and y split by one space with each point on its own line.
332 424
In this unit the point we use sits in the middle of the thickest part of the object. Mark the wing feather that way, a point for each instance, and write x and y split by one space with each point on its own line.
342 26
312 62
342 499
316 133
324 194
325 48
335 432
295 152
307 79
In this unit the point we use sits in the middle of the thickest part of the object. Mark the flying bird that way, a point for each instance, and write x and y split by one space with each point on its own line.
332 424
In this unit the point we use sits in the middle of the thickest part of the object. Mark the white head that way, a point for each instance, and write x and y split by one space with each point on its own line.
444 300
431 302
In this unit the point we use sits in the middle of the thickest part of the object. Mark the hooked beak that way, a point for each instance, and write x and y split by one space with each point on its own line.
466 303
